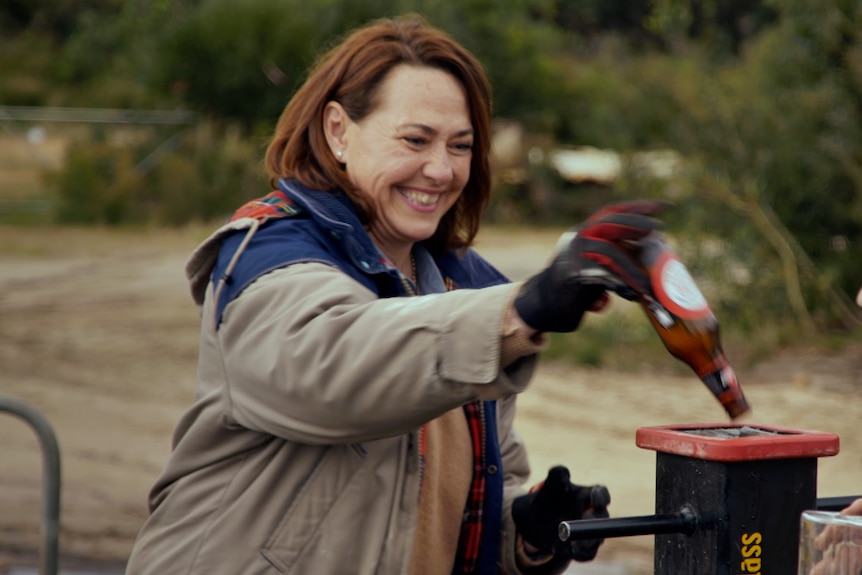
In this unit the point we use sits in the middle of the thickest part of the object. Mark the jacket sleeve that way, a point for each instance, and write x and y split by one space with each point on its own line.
517 470
310 355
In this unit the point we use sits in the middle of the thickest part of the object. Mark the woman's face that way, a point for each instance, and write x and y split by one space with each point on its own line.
410 156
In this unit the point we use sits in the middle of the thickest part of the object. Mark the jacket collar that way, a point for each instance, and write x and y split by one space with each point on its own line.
334 212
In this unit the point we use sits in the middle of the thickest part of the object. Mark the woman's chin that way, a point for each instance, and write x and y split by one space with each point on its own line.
417 235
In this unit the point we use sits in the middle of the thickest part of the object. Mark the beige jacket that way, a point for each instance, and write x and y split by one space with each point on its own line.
293 460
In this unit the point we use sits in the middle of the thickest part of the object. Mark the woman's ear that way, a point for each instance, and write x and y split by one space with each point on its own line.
335 128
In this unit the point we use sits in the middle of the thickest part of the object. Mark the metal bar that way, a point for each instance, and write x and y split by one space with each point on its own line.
836 503
684 521
96 115
50 479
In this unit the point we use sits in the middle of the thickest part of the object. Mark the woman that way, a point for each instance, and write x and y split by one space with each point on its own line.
353 409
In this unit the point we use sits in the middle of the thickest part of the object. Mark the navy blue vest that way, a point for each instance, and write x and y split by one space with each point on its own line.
324 227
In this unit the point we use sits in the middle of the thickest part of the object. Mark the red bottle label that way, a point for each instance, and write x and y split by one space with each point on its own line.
675 288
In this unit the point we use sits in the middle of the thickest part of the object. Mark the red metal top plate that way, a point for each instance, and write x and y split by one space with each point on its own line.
737 442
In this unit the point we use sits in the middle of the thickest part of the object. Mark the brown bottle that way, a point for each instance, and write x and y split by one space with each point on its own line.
683 320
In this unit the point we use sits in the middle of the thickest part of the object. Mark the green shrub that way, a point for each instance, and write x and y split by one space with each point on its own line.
208 174
97 186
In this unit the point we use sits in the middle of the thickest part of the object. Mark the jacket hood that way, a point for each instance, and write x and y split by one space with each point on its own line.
332 210
201 263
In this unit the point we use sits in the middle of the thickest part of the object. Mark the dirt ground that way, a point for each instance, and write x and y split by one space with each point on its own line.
97 331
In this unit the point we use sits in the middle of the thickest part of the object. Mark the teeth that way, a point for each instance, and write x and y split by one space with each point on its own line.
420 198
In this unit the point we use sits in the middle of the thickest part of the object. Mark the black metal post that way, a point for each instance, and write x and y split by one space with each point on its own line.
750 484
735 492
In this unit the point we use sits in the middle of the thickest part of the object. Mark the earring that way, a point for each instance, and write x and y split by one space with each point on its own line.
339 153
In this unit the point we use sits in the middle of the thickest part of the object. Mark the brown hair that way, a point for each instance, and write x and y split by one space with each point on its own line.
351 74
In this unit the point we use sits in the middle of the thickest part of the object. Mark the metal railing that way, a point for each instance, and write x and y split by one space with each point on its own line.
96 115
51 480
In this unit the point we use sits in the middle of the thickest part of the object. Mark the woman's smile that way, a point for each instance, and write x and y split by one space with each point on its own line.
422 201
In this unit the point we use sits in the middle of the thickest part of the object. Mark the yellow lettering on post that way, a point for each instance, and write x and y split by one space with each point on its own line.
751 551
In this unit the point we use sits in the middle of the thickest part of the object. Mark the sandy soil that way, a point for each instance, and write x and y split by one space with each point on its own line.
97 331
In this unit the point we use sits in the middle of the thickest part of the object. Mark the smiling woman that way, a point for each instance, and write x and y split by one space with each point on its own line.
402 77
410 157
354 407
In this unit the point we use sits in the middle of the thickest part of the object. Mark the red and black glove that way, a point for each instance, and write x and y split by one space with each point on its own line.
587 265
538 514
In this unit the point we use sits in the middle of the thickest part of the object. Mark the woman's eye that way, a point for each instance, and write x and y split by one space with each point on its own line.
415 141
463 146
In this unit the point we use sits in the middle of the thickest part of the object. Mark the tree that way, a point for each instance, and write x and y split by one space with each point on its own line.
55 18
776 141
243 61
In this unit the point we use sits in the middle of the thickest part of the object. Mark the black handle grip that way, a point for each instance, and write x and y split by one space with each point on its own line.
684 521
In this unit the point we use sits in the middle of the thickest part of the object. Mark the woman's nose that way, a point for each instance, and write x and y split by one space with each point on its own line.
439 167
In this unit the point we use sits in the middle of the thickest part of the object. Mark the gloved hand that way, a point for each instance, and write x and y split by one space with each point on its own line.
586 266
539 513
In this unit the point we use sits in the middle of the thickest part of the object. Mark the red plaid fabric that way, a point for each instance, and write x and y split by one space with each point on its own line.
471 528
273 205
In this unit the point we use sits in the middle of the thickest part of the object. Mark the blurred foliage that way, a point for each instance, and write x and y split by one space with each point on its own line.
245 64
762 100
238 64
97 186
53 19
205 175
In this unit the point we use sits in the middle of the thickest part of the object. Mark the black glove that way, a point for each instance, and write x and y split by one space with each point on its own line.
538 514
586 266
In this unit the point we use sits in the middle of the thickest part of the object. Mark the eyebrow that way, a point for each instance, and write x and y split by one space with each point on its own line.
429 130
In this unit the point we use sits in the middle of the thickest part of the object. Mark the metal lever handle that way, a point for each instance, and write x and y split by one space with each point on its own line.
683 521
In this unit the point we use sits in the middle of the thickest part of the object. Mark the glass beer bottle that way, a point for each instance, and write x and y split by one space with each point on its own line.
686 325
